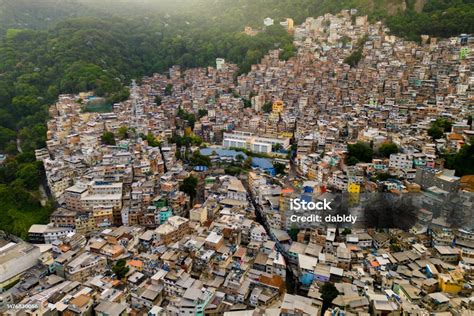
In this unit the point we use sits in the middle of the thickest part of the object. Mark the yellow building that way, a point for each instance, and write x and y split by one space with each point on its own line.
354 191
311 174
277 106
285 197
451 283
103 216
85 224
353 188
286 134
291 24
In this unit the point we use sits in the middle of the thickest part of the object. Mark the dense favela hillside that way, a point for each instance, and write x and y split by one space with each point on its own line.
49 47
236 158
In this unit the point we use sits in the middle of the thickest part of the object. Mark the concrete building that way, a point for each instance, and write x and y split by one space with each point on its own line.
84 266
220 63
47 234
16 258
253 142
400 162
268 21
174 229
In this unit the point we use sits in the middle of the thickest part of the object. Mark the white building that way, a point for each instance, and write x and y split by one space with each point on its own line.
47 234
102 193
220 63
252 142
268 22
258 233
236 190
400 162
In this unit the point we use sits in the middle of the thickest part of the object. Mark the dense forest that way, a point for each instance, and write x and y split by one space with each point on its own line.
49 47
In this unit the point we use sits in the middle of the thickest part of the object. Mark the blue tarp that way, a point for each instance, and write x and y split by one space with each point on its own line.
264 164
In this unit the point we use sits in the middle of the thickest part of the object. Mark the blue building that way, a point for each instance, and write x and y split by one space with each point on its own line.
264 164
165 213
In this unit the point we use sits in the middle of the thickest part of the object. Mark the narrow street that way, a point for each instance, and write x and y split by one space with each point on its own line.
291 284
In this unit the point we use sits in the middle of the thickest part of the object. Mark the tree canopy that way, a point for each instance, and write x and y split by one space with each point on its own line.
328 294
199 160
462 161
120 268
108 138
386 149
189 186
359 152
439 127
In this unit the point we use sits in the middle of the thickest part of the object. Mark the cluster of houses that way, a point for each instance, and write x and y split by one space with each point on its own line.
130 237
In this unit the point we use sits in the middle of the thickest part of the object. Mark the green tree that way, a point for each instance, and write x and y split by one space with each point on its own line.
276 147
247 163
233 170
20 209
29 175
158 100
7 136
462 161
346 231
344 40
279 168
395 247
191 140
328 294
354 58
120 268
435 132
151 140
383 176
386 149
202 113
189 117
267 107
189 186
445 124
352 161
294 233
247 103
123 132
439 127
108 138
361 151
199 160
169 89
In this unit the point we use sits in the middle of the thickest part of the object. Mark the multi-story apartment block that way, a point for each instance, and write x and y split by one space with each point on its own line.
253 142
